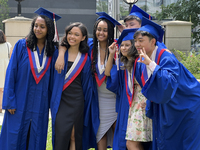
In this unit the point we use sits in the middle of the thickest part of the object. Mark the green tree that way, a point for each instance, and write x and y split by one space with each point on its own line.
145 8
4 11
102 6
123 12
185 10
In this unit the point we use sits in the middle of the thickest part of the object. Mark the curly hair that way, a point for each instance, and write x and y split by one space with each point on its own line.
2 37
83 47
133 54
95 41
31 39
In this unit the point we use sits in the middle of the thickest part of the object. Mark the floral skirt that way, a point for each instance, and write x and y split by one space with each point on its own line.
139 126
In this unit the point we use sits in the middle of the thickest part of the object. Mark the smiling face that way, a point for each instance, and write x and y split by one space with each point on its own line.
40 28
129 24
102 31
125 47
144 42
75 36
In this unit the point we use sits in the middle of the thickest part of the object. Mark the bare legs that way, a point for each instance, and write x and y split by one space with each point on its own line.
72 141
134 145
102 144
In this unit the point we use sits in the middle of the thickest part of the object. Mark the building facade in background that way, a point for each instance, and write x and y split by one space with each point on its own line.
70 11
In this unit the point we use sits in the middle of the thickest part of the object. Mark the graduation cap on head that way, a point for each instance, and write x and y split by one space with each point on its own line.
153 28
127 34
51 15
136 11
106 16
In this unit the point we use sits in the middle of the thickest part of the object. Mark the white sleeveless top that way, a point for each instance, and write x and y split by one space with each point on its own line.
4 60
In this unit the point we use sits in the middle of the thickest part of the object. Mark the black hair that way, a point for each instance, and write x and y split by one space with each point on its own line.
110 40
131 17
133 54
145 33
83 47
31 39
2 37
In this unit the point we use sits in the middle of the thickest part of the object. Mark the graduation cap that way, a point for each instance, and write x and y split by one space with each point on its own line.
51 15
153 28
136 11
127 34
106 16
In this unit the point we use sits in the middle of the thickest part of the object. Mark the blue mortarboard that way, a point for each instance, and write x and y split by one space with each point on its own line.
153 28
106 16
136 11
51 15
42 11
127 34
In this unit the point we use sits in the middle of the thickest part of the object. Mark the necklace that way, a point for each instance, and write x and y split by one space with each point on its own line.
101 48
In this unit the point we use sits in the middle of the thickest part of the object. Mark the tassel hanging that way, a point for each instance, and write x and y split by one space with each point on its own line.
56 37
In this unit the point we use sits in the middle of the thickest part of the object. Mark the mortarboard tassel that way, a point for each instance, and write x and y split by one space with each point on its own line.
56 37
117 57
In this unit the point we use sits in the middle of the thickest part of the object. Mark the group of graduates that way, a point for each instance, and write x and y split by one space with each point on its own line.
130 93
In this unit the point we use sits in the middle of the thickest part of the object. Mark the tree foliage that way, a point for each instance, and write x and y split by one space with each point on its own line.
185 10
4 11
102 6
123 12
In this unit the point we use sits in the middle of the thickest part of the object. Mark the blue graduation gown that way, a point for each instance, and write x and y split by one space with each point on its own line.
173 104
116 84
30 101
56 87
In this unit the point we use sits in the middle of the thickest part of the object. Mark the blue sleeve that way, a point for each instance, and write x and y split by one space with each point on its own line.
164 81
114 80
51 84
9 98
87 89
90 44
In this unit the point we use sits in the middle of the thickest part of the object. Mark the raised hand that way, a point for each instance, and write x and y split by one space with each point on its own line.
120 28
112 48
144 58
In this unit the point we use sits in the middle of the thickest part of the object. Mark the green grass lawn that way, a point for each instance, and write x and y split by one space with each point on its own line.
49 137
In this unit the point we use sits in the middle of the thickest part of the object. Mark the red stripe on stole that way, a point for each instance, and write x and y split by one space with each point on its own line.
77 73
142 78
130 100
99 82
37 80
158 61
161 52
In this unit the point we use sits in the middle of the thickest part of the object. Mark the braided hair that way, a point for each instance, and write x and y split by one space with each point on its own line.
110 40
31 39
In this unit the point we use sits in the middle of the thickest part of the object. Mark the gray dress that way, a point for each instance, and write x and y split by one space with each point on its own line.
107 114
